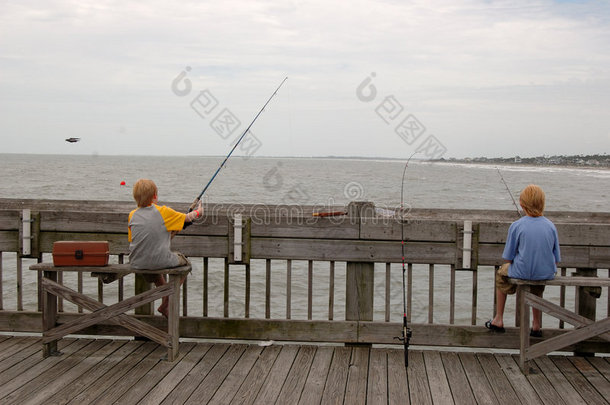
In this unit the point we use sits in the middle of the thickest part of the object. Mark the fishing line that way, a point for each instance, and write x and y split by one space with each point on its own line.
511 194
192 207
290 135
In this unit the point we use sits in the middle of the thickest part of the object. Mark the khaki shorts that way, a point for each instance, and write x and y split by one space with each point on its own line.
150 278
506 287
183 260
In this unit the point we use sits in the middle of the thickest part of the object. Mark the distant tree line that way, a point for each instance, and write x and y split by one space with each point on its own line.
545 160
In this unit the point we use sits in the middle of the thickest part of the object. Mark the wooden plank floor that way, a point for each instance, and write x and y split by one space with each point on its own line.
101 371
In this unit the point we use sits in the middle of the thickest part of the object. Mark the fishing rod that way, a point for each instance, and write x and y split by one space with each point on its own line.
192 207
511 194
406 332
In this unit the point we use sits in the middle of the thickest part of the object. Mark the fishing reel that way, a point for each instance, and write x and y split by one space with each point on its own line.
406 335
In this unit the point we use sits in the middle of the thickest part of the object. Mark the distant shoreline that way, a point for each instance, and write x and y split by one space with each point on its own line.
558 166
568 162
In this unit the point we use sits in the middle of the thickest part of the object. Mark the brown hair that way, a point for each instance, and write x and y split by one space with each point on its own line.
532 200
144 191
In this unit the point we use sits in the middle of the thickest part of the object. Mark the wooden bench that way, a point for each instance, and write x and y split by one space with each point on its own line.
584 328
114 313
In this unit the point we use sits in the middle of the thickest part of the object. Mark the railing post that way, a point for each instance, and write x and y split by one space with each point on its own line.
360 276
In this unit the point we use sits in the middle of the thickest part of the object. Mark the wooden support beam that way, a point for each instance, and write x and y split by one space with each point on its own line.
568 338
360 277
103 312
560 313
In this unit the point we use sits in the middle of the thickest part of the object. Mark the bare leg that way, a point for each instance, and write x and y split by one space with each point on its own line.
164 307
536 319
500 303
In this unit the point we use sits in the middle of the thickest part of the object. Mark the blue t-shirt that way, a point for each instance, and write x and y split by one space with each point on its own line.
533 247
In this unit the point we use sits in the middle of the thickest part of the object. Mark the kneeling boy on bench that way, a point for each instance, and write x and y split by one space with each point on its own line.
151 228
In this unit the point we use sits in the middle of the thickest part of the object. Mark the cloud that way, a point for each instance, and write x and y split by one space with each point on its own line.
86 68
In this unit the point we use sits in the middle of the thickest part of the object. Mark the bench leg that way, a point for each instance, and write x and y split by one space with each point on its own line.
49 316
524 329
586 302
141 286
173 318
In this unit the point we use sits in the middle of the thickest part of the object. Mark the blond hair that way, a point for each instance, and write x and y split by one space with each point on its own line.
532 200
144 191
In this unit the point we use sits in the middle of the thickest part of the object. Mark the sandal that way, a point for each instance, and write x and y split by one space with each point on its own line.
493 327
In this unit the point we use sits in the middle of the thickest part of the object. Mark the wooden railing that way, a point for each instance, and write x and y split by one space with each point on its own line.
280 273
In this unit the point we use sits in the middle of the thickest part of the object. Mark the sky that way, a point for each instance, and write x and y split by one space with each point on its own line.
366 78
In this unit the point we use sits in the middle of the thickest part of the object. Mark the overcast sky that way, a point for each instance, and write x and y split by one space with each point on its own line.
365 78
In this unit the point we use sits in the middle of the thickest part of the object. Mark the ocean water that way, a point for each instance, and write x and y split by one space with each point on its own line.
301 181
307 181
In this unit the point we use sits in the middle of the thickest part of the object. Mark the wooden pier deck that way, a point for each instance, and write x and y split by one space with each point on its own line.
129 372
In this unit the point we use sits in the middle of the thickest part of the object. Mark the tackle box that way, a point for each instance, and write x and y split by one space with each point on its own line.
80 253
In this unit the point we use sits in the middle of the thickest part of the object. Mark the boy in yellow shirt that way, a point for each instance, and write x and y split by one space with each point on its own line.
151 228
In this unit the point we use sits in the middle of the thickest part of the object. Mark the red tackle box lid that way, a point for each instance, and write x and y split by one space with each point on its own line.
80 253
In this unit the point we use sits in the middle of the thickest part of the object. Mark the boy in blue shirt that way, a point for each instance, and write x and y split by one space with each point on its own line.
531 253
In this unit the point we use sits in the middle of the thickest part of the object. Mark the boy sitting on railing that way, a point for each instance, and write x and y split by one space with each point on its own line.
151 228
531 253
